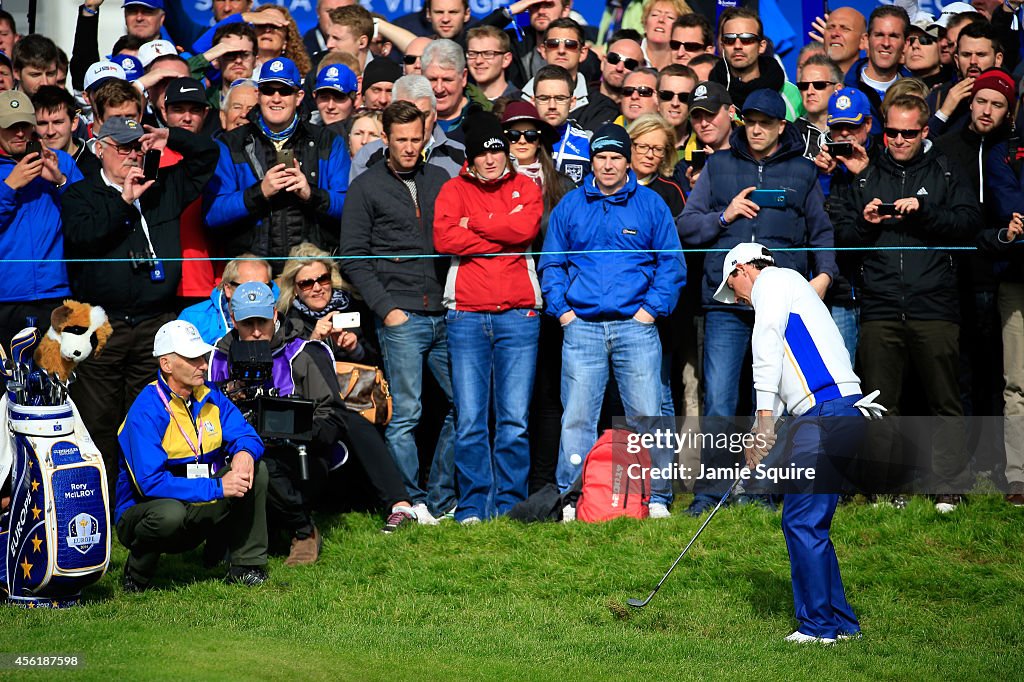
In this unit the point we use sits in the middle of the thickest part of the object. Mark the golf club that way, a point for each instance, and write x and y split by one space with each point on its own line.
640 603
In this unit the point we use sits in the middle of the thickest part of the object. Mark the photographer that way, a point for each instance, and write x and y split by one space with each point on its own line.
301 369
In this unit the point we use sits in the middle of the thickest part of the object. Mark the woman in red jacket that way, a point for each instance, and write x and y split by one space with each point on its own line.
493 318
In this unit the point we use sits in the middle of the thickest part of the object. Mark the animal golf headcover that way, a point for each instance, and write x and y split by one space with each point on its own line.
76 331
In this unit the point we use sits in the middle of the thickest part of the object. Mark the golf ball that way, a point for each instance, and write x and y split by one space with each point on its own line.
575 459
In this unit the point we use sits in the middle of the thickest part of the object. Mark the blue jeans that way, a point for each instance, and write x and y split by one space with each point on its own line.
726 342
403 349
499 350
848 321
632 350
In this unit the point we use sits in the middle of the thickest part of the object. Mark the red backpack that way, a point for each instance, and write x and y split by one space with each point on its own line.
612 485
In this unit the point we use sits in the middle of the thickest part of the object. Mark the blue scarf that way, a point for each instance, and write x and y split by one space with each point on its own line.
281 136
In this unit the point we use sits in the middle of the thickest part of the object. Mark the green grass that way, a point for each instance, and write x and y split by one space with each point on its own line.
938 598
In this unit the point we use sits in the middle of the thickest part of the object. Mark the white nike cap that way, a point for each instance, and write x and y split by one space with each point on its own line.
739 254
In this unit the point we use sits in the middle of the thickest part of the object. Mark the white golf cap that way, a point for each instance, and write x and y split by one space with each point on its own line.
951 10
101 72
181 337
155 49
739 254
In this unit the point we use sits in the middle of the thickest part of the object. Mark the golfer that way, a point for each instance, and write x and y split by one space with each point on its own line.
801 366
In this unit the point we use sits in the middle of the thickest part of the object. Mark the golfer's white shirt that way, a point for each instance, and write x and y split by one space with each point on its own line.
799 355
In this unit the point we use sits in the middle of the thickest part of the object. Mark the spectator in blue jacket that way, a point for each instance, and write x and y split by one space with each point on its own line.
765 154
189 464
212 317
280 181
608 321
30 224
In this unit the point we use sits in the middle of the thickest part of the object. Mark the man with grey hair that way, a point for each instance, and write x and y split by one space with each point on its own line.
212 317
444 65
241 98
440 150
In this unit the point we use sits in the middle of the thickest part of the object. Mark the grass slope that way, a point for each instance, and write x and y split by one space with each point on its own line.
938 597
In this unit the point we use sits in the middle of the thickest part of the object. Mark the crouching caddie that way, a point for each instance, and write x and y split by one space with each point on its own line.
801 366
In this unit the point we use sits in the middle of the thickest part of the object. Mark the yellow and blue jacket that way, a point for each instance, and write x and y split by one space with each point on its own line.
155 453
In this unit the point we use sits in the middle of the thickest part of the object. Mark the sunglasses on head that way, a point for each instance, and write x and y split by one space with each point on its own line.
570 43
675 45
817 85
668 96
908 134
323 280
410 59
628 63
641 90
271 90
744 38
530 136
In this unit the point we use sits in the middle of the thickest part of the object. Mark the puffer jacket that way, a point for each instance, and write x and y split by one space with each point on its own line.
918 284
801 223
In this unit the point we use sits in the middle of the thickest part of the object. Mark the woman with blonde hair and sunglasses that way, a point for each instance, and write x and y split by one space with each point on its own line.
312 294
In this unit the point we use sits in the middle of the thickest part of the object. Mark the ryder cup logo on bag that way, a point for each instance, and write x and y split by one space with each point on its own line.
83 532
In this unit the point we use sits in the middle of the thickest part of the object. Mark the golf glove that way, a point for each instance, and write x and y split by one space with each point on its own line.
870 409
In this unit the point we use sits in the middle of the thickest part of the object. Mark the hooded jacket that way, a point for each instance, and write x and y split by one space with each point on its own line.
607 256
489 284
801 223
772 76
901 284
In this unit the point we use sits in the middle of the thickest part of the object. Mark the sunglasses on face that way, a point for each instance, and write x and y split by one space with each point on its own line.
908 134
570 44
628 63
410 59
817 85
668 96
676 45
530 136
923 40
323 280
641 90
744 38
241 55
271 90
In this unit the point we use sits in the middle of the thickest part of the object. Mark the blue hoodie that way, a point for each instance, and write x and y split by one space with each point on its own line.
30 228
598 285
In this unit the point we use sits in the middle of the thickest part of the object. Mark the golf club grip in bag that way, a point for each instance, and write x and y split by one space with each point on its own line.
56 533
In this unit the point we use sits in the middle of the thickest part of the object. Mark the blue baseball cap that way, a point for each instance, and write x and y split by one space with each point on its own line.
337 77
252 299
848 105
152 4
767 102
130 64
280 70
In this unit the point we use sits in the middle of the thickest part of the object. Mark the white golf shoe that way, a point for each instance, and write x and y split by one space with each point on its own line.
797 637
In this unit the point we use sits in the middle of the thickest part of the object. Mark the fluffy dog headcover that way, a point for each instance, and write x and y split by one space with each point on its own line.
76 331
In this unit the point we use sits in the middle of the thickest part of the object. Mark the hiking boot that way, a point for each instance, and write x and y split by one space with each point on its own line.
568 513
250 576
659 511
130 584
400 516
700 504
945 504
305 551
423 515
797 637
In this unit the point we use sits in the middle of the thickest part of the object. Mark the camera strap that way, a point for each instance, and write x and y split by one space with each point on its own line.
197 450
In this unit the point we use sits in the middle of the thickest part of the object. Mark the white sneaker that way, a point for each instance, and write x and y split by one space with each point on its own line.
797 637
423 515
659 511
568 513
470 521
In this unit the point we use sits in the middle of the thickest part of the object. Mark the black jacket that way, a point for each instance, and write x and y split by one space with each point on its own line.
99 224
772 77
903 284
381 219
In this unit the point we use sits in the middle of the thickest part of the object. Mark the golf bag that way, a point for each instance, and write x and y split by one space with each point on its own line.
615 480
56 532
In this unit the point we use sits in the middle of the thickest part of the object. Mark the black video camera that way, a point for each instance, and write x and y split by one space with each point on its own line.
251 388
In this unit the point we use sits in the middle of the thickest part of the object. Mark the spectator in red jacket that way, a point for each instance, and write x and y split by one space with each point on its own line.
493 318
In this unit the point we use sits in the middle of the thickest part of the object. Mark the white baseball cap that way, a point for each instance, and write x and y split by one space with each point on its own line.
739 254
951 10
155 49
181 337
103 71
